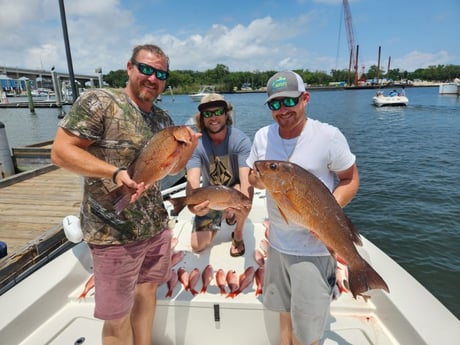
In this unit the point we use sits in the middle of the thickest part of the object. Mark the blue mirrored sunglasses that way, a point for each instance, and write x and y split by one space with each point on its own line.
149 70
275 104
209 113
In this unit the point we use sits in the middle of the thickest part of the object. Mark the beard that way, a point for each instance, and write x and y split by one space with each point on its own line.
215 130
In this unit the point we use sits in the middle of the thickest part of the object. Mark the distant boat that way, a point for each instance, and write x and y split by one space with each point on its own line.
394 98
205 90
452 88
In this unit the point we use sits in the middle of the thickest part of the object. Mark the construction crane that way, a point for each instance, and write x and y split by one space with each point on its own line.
351 42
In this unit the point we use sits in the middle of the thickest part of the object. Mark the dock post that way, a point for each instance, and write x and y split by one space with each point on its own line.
57 89
5 154
29 96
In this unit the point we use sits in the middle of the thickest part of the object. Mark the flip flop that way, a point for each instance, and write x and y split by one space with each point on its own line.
237 244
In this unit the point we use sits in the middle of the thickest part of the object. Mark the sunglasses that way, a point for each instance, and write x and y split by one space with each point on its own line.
289 102
209 113
149 70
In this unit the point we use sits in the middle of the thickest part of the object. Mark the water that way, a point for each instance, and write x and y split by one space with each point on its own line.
408 157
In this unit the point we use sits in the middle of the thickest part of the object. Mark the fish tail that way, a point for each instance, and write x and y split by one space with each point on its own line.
362 280
168 294
222 291
259 291
193 291
204 289
178 204
120 197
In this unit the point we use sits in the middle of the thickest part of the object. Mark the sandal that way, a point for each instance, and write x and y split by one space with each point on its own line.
237 245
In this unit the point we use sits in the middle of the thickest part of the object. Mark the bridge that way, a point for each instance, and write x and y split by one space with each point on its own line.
42 78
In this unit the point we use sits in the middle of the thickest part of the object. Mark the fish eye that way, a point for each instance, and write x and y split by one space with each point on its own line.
273 166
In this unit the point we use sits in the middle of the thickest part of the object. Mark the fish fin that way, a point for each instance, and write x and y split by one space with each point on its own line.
341 260
178 204
120 197
283 215
354 234
363 279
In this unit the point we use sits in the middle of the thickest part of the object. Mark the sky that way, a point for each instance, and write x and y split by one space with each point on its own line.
249 35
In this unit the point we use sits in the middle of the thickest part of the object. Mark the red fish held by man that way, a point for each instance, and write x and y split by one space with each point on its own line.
220 198
304 200
166 153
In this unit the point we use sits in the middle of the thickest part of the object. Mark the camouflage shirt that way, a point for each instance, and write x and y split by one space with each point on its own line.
119 130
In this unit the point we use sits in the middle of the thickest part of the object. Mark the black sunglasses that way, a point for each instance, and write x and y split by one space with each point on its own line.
209 113
289 102
149 70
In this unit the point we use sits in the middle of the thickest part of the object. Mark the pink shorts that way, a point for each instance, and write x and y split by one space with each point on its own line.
118 268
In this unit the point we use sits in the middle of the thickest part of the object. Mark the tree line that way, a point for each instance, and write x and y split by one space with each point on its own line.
188 81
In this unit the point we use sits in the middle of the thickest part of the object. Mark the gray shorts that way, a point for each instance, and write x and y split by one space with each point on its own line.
301 285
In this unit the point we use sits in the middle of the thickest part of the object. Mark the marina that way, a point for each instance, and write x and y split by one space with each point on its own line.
397 205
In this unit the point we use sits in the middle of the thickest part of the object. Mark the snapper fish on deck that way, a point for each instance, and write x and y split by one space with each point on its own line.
304 200
166 153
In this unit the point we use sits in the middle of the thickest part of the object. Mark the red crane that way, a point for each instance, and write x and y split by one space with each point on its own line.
351 41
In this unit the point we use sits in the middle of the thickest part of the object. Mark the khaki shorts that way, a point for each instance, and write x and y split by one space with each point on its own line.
301 285
118 268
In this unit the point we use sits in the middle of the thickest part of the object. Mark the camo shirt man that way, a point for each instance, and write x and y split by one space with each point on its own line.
103 133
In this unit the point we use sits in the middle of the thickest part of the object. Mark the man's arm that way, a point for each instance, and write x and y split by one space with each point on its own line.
347 186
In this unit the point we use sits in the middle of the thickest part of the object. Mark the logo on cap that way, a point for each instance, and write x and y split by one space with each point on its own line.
279 83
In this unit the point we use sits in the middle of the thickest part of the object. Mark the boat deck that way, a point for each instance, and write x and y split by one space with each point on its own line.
33 205
45 308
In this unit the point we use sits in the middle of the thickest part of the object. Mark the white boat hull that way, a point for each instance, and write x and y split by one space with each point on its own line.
205 90
449 89
44 308
386 101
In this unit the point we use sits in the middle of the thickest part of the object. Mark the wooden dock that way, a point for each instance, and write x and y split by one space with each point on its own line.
32 207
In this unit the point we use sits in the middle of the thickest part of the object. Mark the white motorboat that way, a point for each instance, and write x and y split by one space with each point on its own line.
205 90
452 88
45 308
394 98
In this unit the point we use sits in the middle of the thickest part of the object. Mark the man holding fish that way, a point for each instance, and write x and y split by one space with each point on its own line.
300 271
219 160
123 144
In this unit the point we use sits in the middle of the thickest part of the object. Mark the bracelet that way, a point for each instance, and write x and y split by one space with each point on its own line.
116 172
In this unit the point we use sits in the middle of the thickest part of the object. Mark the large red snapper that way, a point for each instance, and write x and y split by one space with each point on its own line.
220 198
304 200
166 153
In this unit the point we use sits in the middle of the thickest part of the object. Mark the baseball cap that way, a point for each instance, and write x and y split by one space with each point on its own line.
285 84
212 100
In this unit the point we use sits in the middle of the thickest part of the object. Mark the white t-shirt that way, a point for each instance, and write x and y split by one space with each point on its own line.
322 150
